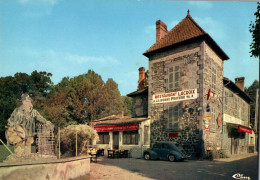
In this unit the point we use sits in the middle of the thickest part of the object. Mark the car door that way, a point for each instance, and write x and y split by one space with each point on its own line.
165 149
157 149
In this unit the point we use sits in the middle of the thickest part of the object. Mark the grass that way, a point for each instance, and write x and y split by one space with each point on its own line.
4 152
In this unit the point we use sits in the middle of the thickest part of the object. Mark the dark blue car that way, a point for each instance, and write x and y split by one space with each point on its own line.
165 150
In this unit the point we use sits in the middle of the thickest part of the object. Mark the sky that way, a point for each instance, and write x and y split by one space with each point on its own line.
69 37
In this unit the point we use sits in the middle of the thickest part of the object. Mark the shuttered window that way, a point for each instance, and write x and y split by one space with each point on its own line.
213 119
173 119
174 77
214 79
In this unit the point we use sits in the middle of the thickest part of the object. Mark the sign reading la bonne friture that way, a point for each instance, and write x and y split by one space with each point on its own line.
175 96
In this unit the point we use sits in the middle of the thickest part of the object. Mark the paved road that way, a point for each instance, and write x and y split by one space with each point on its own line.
190 169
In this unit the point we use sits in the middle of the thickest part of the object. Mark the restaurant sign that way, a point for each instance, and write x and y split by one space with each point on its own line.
244 129
118 127
175 96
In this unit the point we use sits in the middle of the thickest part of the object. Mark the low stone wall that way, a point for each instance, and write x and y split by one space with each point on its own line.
69 168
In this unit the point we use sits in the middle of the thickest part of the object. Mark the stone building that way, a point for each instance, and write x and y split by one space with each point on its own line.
237 138
186 90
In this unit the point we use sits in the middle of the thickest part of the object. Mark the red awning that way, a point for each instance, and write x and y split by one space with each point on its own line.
117 127
244 129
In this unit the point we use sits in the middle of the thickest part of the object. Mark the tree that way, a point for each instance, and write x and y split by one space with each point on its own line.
81 99
254 29
251 92
114 103
128 105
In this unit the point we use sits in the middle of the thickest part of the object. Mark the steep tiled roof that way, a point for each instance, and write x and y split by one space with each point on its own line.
113 120
186 30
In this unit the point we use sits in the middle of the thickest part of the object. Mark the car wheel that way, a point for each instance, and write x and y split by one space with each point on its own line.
171 158
147 156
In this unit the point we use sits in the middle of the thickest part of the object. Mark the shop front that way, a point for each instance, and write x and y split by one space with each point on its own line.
238 138
132 134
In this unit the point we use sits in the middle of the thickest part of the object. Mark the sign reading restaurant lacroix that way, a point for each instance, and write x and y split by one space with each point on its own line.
119 127
175 96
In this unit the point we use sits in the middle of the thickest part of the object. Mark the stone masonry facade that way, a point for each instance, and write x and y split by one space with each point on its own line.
195 62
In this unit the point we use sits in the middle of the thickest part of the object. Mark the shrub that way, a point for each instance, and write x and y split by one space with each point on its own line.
85 134
215 154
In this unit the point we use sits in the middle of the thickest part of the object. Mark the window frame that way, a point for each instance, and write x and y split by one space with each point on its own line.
130 137
146 135
103 137
174 77
213 123
173 120
213 79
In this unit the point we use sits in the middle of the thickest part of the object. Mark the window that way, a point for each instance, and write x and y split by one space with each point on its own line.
146 131
173 119
214 79
226 102
235 107
103 138
213 119
130 137
174 77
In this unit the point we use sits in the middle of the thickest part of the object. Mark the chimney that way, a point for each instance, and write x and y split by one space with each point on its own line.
141 78
240 82
161 30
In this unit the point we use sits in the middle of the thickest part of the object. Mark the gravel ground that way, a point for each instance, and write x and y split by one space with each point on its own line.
100 171
130 168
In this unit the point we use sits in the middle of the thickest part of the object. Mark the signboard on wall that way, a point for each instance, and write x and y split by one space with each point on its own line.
117 127
206 124
244 129
175 96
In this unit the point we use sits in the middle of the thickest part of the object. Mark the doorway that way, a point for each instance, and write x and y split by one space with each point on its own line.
116 140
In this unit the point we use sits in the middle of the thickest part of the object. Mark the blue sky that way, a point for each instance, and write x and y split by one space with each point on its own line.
68 37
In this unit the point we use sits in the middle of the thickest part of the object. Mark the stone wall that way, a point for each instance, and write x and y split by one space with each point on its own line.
70 168
241 117
140 106
213 136
189 132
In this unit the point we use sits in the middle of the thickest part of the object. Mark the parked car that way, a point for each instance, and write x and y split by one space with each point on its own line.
165 150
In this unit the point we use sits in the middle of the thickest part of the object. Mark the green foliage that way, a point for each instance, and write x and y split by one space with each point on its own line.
251 92
73 101
254 29
128 105
81 99
85 134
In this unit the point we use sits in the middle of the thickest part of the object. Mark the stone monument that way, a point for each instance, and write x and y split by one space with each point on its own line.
24 125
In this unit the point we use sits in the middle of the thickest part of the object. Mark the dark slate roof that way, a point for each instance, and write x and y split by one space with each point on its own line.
185 32
113 120
234 88
139 92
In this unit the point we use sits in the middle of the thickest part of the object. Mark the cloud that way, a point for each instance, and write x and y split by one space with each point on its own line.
49 2
201 4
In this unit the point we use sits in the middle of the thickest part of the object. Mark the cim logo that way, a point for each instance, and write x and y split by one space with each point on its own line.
240 176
